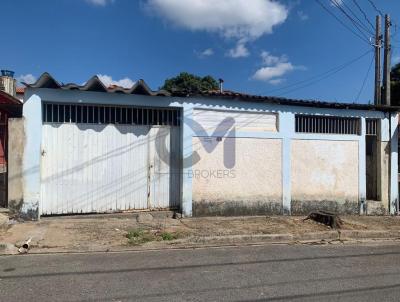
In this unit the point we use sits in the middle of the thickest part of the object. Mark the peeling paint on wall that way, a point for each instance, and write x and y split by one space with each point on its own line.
324 175
253 185
16 145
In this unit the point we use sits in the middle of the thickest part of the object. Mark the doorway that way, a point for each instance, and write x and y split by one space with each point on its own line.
371 157
3 159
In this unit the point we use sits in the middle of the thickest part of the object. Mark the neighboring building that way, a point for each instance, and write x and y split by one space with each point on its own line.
10 114
19 93
8 84
96 149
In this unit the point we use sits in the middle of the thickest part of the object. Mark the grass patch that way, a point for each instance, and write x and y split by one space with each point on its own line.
168 236
136 237
139 236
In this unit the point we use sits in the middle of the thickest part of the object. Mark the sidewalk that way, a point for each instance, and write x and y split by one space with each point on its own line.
155 230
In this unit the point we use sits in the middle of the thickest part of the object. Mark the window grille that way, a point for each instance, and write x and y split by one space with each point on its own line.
371 126
327 124
95 114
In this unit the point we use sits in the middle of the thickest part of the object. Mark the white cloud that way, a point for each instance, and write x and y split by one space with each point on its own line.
26 78
277 81
108 81
205 53
100 2
268 59
274 68
242 20
269 73
239 51
302 15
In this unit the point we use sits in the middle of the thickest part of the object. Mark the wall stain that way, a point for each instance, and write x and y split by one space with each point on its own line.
236 208
304 207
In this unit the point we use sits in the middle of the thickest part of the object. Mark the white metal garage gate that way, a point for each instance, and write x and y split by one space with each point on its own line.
109 158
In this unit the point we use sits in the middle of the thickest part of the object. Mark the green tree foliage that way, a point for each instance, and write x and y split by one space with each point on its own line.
189 83
395 85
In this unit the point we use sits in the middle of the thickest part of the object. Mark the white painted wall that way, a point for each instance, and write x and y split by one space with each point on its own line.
285 133
324 170
255 177
209 120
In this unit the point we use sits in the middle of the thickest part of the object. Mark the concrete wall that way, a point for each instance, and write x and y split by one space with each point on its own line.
191 190
324 176
32 113
16 144
252 186
383 176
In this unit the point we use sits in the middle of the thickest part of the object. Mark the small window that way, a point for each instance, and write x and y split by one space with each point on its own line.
371 126
61 113
327 124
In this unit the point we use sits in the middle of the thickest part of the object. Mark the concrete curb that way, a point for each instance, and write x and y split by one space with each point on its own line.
8 249
341 235
318 236
356 235
234 239
221 241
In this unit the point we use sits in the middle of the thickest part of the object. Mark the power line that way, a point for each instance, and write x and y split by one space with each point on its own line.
323 73
365 80
375 8
364 25
358 24
364 14
344 24
319 77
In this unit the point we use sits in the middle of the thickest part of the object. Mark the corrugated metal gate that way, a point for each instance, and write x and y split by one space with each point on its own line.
102 159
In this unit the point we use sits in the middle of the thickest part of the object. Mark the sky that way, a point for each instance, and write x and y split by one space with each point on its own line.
289 48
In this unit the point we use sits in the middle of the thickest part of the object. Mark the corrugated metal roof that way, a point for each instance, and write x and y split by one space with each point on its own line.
141 88
227 94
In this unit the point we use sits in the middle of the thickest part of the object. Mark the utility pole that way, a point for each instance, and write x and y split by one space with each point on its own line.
378 38
386 63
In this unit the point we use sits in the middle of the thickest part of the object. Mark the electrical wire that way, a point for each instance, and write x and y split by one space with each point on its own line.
364 14
360 26
365 80
320 76
364 25
344 24
375 8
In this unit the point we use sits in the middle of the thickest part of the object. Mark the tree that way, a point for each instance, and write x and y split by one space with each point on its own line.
189 83
395 85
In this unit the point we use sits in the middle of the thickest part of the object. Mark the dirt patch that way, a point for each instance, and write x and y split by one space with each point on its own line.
381 223
103 232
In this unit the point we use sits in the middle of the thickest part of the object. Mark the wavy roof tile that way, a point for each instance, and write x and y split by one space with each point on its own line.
141 88
95 84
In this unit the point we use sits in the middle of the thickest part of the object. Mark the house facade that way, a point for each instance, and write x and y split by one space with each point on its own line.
93 149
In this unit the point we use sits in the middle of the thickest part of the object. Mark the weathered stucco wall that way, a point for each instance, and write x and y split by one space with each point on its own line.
16 143
252 186
193 191
324 176
383 176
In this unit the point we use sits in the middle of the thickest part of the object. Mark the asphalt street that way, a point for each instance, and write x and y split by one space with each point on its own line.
252 273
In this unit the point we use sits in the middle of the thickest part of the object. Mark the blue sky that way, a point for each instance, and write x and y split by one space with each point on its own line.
256 46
